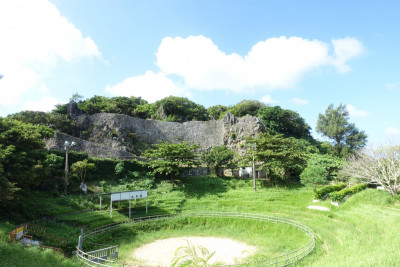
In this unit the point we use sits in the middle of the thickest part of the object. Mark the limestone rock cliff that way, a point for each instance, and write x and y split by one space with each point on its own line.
128 134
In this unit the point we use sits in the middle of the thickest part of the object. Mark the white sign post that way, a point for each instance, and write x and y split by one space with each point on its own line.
128 195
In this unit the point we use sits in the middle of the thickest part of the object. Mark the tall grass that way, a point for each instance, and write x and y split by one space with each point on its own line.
363 231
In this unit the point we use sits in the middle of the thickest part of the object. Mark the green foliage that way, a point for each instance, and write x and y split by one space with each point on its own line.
338 196
246 107
283 121
334 124
80 168
219 156
319 193
217 112
191 255
106 168
179 109
120 169
331 164
53 120
314 175
284 158
170 159
21 152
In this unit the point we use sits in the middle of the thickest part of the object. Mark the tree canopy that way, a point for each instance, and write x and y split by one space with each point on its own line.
335 125
284 158
246 107
21 152
283 121
379 166
171 159
217 157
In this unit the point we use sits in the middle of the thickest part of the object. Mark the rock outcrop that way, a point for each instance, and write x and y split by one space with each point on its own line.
131 135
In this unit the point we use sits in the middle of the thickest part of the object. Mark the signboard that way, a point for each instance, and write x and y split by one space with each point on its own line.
20 232
128 195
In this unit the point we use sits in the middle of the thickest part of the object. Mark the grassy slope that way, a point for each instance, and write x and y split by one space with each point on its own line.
361 232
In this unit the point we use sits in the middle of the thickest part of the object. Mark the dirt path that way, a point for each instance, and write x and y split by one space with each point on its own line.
161 252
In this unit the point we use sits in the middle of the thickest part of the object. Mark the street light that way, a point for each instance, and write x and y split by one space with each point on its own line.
67 147
253 148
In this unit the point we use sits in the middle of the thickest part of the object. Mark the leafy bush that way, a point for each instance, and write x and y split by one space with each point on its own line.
314 175
338 196
321 192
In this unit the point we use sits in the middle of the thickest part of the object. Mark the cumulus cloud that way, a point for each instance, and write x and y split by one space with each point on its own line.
47 103
150 86
392 131
298 101
267 99
270 64
34 37
353 112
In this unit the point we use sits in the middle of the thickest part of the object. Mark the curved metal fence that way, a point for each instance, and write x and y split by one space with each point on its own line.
91 259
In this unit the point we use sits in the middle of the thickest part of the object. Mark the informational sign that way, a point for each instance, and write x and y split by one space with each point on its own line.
20 232
128 195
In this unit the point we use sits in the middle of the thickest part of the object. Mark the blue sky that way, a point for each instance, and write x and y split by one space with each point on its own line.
301 55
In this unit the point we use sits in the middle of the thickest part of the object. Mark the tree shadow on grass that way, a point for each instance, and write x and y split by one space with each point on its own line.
197 187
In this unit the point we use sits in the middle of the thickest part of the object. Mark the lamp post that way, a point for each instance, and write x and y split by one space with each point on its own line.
253 148
67 147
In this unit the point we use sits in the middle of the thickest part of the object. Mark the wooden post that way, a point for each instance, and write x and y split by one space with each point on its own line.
110 207
146 206
100 202
129 208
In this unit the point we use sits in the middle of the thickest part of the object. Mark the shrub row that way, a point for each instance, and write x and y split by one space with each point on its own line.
338 196
321 192
105 167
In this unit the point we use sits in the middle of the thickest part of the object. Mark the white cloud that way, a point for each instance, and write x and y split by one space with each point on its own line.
270 64
47 103
344 50
353 112
392 86
150 86
267 99
34 37
392 131
298 101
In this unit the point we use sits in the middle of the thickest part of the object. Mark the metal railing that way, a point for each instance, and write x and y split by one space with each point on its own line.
282 260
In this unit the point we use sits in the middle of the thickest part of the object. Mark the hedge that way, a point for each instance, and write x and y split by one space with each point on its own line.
105 167
321 192
338 196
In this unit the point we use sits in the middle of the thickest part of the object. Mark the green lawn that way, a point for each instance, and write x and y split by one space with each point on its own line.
360 232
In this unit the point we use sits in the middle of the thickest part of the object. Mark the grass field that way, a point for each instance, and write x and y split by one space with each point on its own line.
363 231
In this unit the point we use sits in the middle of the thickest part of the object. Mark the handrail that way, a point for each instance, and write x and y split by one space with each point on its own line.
281 260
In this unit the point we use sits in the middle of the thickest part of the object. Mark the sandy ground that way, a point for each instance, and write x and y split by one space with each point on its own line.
161 252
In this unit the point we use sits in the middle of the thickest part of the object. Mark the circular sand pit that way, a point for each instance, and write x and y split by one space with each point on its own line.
162 252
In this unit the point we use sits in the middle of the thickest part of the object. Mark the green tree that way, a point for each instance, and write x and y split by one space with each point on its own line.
283 121
216 112
246 107
21 151
219 156
331 164
314 175
283 158
80 169
171 159
335 125
179 109
56 121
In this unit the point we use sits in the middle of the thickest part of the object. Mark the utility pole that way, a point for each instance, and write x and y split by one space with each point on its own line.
67 147
253 148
